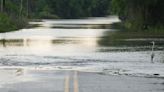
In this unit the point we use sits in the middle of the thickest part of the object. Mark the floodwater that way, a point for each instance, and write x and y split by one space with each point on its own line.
81 44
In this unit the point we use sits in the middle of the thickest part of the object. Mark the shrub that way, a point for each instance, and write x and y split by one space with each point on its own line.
6 24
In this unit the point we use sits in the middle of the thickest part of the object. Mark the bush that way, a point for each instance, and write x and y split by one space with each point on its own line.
6 24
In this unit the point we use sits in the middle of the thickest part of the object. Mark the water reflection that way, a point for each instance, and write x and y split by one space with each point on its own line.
125 41
73 47
79 39
99 22
50 46
3 42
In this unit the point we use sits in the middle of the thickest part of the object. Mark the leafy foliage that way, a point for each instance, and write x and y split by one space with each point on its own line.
6 23
79 8
140 14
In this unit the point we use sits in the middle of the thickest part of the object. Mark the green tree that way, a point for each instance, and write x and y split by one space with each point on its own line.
139 14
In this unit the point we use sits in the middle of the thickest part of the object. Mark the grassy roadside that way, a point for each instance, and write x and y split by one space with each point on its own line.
124 32
123 36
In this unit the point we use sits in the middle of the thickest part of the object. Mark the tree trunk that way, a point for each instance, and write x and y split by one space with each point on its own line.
27 7
21 8
2 5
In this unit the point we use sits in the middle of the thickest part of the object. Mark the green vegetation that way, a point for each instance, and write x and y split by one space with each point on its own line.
79 8
5 22
15 13
135 14
12 15
140 14
68 8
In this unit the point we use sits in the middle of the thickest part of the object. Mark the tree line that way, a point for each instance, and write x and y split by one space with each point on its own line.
136 14
140 14
13 14
56 8
79 8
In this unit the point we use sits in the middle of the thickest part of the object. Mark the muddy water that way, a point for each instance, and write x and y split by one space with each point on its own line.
82 44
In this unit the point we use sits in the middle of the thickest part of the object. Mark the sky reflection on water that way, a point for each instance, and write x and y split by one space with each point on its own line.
80 48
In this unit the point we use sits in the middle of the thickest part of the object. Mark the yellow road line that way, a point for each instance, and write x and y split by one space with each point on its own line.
66 89
76 85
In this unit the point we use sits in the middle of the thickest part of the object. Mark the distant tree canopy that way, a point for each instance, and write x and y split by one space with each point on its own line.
66 8
12 14
137 14
79 8
11 7
140 13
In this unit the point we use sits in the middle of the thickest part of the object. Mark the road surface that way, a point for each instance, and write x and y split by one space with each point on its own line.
76 81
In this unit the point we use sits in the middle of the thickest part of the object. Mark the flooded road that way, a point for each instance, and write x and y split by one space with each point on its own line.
81 44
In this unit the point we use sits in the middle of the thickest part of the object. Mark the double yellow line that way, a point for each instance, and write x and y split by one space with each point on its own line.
66 89
75 83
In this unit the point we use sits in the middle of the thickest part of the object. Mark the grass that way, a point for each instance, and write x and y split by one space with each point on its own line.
124 33
128 37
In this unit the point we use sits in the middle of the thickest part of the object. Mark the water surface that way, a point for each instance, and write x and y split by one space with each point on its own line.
81 44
